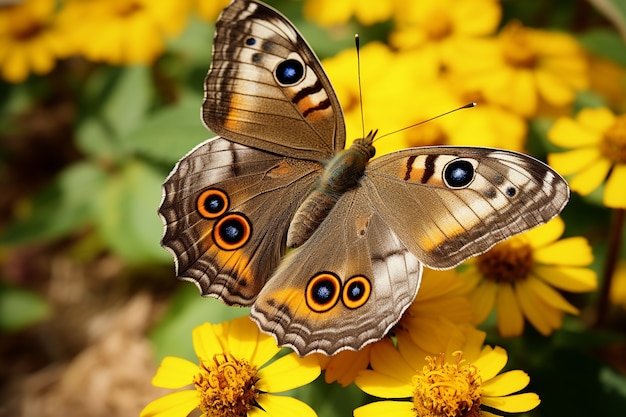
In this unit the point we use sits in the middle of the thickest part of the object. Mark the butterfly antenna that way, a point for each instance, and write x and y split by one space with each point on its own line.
357 45
466 106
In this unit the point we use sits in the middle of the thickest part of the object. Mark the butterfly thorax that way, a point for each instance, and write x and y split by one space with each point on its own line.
341 174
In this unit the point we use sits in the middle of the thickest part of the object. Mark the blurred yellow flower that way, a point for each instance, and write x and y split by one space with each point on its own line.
123 32
596 140
333 12
30 39
618 287
442 295
517 276
209 9
459 381
439 25
231 377
523 66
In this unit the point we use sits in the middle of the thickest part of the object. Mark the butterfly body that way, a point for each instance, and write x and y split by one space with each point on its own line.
278 176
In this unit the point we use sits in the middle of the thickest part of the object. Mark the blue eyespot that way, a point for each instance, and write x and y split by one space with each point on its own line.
250 41
289 72
458 173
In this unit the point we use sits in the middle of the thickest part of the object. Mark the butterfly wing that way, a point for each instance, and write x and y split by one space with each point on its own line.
447 203
226 209
346 286
436 206
266 89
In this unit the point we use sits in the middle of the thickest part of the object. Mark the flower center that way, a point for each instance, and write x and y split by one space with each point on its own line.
226 386
428 134
447 389
438 25
508 261
613 145
517 46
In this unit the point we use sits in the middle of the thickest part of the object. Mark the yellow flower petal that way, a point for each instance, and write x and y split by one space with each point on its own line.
491 361
505 384
591 177
243 335
550 296
383 386
386 360
386 408
175 404
288 372
344 366
571 162
542 316
510 318
175 373
279 406
597 119
573 251
483 299
513 403
546 233
568 278
568 133
552 88
614 193
206 342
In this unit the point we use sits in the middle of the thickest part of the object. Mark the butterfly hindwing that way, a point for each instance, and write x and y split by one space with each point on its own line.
224 223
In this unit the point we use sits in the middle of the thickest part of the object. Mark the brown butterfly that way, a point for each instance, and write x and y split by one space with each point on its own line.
278 177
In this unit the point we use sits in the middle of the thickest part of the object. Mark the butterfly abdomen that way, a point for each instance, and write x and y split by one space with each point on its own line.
341 174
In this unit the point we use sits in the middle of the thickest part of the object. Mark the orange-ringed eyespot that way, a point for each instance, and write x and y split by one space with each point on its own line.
212 203
356 291
232 231
458 173
322 292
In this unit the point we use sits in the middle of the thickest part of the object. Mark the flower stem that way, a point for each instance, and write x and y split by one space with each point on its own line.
612 257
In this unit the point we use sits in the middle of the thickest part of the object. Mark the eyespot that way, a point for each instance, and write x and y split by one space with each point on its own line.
212 203
250 41
458 173
511 191
322 292
356 291
232 231
289 72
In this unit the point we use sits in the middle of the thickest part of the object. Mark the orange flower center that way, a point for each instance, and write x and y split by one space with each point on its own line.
447 389
517 46
226 386
508 261
428 134
438 25
613 145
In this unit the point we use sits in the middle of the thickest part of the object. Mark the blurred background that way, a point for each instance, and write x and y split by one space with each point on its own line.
99 99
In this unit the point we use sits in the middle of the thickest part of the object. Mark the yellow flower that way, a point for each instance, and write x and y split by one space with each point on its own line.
333 12
457 382
123 32
439 25
518 276
523 66
231 378
209 10
618 287
442 295
30 39
597 143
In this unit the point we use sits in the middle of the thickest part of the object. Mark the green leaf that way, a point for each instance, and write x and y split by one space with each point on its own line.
187 309
120 106
127 214
605 43
20 308
170 133
60 208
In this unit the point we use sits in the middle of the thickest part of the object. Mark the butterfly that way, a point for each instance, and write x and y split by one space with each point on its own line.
359 231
